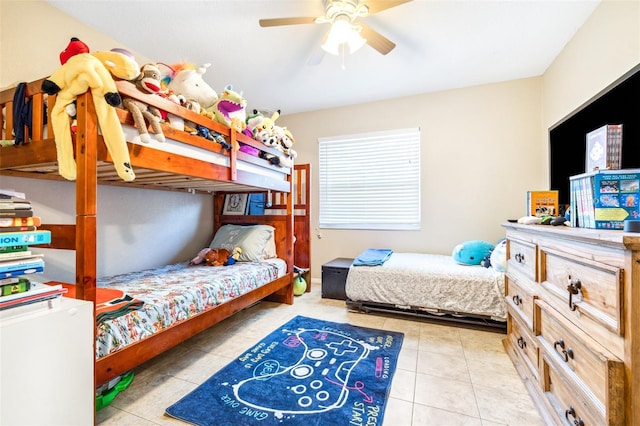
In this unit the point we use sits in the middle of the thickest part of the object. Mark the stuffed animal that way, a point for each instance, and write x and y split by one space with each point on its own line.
253 122
79 73
185 81
281 139
266 125
75 47
217 257
235 255
499 256
199 257
471 252
148 81
230 105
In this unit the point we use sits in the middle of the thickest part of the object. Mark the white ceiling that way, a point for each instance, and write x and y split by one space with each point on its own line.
440 45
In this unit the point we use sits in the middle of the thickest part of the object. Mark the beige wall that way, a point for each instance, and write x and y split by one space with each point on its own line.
606 47
482 147
479 156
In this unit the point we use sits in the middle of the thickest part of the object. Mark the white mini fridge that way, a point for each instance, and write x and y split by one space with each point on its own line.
46 364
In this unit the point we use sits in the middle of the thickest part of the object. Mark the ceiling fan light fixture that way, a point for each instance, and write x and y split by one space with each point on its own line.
342 32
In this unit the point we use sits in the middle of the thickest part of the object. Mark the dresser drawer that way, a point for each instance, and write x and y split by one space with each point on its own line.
522 256
523 342
584 287
597 372
563 398
521 300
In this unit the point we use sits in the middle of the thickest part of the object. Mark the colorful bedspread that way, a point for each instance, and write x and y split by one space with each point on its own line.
174 293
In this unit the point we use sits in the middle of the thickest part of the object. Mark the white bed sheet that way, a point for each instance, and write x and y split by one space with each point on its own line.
430 281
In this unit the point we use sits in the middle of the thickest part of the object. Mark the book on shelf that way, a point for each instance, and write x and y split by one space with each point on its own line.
13 248
11 194
20 221
25 271
16 213
17 228
15 205
11 280
542 203
33 261
12 255
604 148
36 293
26 237
20 285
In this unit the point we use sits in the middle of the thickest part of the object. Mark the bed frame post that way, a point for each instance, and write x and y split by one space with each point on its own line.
86 148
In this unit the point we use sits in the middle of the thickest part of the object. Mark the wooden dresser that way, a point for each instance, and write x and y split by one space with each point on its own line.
573 302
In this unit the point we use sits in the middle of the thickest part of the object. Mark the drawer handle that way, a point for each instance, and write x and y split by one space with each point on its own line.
517 300
574 287
519 257
566 354
521 342
572 412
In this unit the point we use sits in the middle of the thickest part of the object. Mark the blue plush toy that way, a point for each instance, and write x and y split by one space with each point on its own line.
471 252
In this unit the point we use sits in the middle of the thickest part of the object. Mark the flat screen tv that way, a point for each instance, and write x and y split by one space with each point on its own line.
619 103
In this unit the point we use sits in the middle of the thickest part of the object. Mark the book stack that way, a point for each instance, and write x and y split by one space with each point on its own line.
604 148
19 231
604 199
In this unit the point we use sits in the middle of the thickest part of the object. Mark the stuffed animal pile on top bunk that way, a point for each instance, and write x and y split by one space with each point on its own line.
228 108
184 84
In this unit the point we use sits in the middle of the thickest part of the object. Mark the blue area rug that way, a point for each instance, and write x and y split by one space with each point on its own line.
307 372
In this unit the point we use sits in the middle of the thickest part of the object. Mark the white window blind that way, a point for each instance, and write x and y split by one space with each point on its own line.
370 180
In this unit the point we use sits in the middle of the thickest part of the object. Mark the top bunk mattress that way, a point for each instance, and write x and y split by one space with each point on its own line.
174 293
430 282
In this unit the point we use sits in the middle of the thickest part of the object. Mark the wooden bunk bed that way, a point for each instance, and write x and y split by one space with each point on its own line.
287 190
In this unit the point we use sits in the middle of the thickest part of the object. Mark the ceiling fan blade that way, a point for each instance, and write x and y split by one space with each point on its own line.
376 40
276 22
376 6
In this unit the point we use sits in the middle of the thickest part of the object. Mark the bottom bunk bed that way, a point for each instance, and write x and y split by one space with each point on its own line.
141 314
431 287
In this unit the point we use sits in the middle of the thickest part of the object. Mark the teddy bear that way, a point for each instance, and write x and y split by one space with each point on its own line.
79 73
217 257
148 81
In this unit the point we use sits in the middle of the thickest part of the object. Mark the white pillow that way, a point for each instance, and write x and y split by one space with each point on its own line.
269 251
252 240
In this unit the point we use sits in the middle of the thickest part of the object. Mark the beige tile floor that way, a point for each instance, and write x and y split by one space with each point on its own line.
445 376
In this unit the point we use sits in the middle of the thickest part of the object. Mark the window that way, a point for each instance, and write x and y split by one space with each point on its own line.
370 181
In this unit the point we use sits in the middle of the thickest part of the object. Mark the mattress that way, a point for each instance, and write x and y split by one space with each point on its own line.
175 293
430 282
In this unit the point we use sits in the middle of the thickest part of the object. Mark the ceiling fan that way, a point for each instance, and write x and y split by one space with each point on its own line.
345 32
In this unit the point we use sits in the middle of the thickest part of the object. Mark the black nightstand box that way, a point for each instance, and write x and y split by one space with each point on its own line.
334 278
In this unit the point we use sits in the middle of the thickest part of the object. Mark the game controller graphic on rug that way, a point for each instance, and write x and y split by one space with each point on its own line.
315 378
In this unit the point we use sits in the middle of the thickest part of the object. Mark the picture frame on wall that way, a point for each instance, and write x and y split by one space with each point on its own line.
235 204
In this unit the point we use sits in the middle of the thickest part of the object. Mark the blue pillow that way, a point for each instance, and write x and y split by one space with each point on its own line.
471 252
